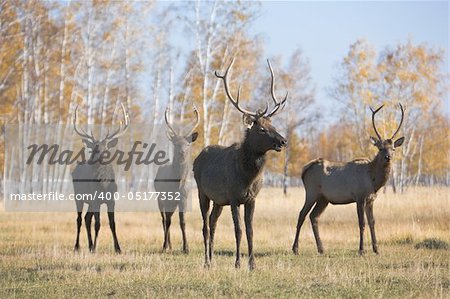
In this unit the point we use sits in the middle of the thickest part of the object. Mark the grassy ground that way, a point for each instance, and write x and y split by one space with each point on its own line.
37 258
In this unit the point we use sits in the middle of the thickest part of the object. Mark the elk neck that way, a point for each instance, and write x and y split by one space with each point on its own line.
380 170
251 161
180 164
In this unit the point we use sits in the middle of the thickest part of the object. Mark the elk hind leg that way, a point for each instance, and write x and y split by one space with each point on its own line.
320 206
309 203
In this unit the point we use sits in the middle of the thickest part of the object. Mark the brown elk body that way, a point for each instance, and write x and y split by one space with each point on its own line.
343 183
96 178
233 175
173 178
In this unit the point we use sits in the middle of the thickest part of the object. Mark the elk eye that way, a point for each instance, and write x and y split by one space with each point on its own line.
262 129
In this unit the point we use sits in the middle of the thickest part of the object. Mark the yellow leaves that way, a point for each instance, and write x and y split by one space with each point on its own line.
239 16
364 73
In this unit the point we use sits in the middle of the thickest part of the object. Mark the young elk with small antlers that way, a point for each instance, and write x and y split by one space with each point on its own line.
233 175
173 178
94 178
343 183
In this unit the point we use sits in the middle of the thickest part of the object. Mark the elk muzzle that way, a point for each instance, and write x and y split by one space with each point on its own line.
279 143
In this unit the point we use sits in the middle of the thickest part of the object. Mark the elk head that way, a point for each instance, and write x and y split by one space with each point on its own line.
386 147
98 146
181 141
260 133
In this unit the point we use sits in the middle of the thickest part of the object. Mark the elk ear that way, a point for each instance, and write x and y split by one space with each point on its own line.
192 138
112 143
88 143
248 120
399 142
375 141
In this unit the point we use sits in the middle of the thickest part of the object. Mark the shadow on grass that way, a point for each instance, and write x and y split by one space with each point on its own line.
432 243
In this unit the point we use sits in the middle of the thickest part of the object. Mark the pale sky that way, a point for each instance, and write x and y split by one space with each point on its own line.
324 30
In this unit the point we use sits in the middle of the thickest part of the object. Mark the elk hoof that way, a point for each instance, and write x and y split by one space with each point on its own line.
251 265
118 251
361 252
186 250
207 265
320 250
76 248
295 250
237 264
375 250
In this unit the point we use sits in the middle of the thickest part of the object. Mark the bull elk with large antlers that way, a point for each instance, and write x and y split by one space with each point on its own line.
343 183
96 178
172 179
233 175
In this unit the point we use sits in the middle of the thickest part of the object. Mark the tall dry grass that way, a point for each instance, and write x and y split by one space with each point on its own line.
37 258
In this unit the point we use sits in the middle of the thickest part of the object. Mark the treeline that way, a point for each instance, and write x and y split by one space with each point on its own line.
98 54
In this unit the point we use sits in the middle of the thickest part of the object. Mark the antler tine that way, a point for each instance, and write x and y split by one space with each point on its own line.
83 133
235 102
279 107
120 131
166 118
373 120
401 120
277 103
197 121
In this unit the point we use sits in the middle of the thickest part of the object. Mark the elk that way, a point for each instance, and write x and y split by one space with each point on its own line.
344 183
173 178
233 175
96 178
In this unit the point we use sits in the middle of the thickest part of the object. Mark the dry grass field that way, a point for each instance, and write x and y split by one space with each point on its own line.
37 259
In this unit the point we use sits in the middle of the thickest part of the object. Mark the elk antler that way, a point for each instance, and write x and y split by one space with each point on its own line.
235 102
278 104
166 118
401 121
197 121
373 121
120 131
83 133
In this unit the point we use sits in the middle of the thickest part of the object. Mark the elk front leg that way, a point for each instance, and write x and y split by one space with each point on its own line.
96 227
371 221
167 220
112 226
309 203
87 222
216 211
249 209
360 209
204 207
183 232
237 233
77 242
